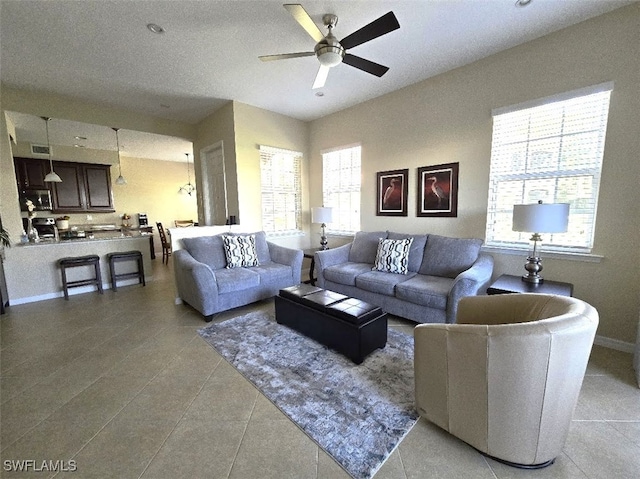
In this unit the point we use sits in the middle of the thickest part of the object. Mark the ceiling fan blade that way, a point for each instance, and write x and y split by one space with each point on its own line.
284 56
383 25
365 65
302 17
321 77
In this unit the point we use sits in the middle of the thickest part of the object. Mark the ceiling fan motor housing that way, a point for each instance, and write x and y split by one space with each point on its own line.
329 51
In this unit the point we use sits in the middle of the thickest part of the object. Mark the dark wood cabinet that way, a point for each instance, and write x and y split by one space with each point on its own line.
98 187
84 188
30 173
68 196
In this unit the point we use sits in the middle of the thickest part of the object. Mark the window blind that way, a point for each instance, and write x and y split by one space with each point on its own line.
549 150
281 190
341 183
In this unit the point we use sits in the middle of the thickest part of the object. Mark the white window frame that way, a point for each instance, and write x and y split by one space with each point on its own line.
281 191
341 187
511 183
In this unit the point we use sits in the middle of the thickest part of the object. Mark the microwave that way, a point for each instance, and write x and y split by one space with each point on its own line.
40 198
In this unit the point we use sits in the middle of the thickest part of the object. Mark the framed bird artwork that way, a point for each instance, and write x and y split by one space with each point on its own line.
438 190
392 190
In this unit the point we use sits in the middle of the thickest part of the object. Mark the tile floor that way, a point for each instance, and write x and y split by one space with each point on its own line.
122 385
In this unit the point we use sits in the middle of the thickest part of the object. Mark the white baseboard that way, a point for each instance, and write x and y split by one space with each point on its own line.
614 344
74 291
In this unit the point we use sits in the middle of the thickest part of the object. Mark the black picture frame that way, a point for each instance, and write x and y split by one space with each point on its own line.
392 191
438 191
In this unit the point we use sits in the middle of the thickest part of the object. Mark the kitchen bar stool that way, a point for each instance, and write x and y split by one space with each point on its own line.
126 256
72 262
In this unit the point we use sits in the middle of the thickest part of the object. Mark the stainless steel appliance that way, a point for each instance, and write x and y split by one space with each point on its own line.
41 199
46 227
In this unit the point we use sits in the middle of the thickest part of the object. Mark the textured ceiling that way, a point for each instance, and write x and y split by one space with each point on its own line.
102 52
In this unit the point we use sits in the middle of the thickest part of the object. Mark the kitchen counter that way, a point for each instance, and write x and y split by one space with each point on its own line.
95 239
32 272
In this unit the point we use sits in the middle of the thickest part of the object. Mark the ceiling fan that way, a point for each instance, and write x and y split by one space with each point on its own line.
331 52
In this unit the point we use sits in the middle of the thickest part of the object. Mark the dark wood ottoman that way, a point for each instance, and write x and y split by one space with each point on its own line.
350 326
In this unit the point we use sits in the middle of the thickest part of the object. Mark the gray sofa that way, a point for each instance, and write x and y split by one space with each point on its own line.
204 281
441 270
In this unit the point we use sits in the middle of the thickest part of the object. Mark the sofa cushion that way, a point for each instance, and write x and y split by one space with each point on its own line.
430 291
346 273
207 249
365 246
393 255
448 257
240 251
417 248
236 279
381 282
270 272
262 248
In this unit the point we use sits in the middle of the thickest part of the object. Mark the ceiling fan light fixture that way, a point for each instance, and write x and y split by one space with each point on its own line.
329 55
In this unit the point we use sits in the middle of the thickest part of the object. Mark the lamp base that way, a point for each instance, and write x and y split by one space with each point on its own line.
533 267
323 238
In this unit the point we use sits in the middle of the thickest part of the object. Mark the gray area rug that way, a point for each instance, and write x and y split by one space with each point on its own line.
357 413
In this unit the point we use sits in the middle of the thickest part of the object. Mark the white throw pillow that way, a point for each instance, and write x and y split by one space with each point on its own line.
240 251
393 255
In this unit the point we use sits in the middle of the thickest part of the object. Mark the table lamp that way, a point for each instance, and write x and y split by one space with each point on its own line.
539 218
323 215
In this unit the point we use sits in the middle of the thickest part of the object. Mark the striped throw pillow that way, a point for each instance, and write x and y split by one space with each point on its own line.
393 255
240 251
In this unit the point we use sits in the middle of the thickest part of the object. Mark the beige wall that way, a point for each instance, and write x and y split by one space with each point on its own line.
255 127
448 119
219 127
152 188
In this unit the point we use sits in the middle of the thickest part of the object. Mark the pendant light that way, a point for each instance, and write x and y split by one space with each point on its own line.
51 177
188 188
120 180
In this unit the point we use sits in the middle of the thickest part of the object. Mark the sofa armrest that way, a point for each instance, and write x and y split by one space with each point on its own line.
195 282
469 283
290 257
330 257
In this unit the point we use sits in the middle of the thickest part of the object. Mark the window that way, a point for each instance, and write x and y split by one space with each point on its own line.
281 190
341 181
550 150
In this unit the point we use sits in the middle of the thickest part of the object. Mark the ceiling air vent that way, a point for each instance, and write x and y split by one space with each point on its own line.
40 149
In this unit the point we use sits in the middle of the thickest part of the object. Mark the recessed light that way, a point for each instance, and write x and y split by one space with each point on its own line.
523 3
79 146
319 93
155 28
80 137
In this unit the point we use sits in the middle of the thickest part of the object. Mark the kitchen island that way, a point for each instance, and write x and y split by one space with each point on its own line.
32 272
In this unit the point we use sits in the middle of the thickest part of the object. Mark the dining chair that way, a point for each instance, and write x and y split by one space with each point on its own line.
184 223
166 244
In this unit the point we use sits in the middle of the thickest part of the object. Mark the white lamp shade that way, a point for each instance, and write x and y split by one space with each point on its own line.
541 218
321 214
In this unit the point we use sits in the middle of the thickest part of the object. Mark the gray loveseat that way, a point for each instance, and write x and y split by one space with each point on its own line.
204 281
441 270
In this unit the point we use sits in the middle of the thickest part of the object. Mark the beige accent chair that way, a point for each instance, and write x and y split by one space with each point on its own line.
506 377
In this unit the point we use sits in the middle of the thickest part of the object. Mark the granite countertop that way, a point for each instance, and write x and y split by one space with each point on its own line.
102 238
